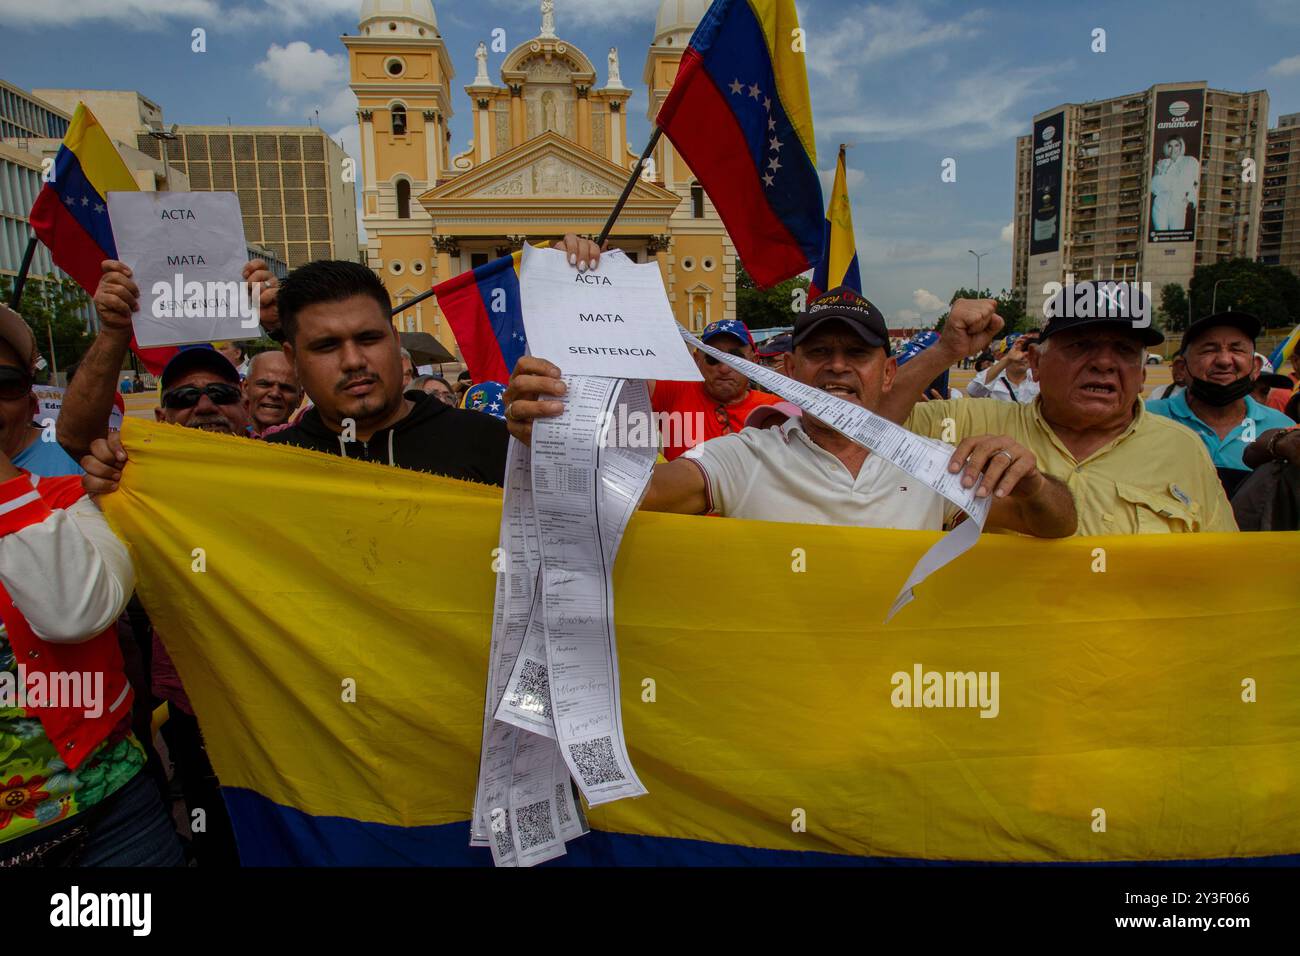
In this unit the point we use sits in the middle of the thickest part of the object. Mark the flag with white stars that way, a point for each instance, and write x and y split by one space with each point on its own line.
739 114
70 215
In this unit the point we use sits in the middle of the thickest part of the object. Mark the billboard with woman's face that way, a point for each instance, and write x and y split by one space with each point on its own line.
1176 165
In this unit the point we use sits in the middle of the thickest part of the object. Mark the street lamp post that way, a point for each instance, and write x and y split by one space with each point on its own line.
978 256
1214 298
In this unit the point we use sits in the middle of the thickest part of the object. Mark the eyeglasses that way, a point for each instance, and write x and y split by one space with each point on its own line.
187 396
14 383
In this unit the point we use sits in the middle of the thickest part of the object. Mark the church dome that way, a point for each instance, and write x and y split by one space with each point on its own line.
678 20
406 15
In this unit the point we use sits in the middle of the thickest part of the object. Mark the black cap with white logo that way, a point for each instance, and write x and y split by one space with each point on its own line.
848 306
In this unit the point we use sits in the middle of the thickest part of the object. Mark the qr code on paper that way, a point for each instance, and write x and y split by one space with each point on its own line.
561 804
534 823
595 761
504 840
534 691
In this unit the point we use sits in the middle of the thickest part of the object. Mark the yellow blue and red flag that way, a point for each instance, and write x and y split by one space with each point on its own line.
340 684
1286 348
70 215
740 115
483 308
839 263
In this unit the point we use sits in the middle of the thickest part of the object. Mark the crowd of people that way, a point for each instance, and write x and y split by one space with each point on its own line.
1053 429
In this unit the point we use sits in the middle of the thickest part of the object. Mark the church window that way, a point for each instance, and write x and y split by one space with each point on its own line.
403 199
394 67
477 259
399 120
707 264
697 201
395 267
688 264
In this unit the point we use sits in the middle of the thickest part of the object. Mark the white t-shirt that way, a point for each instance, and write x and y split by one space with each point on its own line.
780 474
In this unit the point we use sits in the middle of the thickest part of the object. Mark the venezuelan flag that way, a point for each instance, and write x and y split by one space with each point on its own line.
740 115
483 308
339 683
839 262
1285 350
70 214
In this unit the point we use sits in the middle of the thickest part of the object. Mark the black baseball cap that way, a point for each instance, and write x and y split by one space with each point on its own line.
202 358
848 306
1247 323
1101 307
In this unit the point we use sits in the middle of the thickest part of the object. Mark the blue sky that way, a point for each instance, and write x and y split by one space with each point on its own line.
909 83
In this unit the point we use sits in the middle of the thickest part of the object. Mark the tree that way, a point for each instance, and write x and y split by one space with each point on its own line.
1271 293
1173 308
54 307
1010 306
766 308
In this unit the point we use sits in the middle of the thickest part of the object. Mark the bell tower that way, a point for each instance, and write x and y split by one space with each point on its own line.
700 267
401 73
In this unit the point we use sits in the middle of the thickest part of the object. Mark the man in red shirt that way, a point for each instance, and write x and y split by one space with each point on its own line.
694 412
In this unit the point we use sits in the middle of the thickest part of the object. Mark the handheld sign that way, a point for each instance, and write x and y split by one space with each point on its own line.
612 321
186 252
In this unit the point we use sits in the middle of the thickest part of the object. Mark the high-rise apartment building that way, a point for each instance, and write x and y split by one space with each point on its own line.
293 182
1279 225
1142 187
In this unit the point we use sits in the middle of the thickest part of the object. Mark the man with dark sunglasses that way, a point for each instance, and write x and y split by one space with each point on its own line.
22 439
719 405
200 389
89 398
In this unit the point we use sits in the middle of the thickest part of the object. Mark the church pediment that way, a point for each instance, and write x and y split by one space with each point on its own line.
548 166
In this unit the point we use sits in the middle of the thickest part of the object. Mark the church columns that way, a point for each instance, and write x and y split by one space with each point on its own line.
367 146
584 117
483 137
432 138
516 114
617 138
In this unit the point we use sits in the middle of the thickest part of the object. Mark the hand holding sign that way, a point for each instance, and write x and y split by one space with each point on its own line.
183 253
612 319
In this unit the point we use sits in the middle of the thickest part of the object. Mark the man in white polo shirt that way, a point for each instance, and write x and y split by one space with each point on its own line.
805 471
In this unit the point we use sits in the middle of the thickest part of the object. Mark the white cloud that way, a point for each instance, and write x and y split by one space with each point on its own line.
881 32
906 317
213 15
1286 67
981 110
305 80
927 301
853 178
297 68
1008 232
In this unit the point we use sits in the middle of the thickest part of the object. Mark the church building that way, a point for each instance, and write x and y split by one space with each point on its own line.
549 154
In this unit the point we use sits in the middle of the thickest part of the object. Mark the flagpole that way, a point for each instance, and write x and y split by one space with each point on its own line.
20 280
631 182
609 223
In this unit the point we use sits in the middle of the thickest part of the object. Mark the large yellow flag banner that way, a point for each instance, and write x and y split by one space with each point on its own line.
1091 699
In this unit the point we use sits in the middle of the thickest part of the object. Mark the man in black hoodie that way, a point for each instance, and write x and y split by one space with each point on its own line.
336 321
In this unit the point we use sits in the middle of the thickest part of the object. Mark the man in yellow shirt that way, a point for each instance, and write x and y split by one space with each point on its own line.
1131 472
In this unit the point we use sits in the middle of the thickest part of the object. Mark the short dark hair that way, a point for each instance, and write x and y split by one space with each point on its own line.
326 280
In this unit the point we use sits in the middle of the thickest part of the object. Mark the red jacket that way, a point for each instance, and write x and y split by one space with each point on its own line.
24 502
